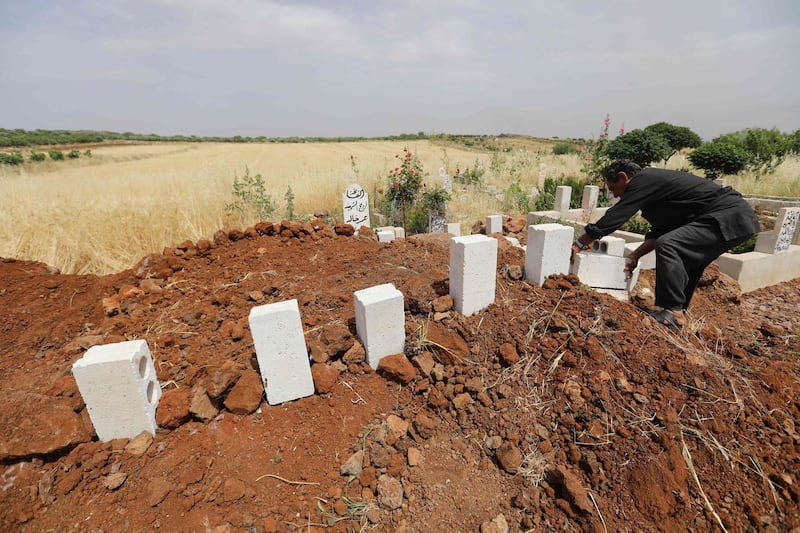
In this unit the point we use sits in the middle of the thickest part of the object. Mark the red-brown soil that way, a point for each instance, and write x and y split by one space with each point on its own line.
555 409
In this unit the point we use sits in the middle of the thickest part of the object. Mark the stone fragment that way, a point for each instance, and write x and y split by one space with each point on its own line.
139 444
246 394
509 457
233 489
219 380
390 492
424 425
157 489
32 424
173 409
354 464
397 367
325 377
508 353
572 489
201 406
442 303
414 457
497 524
114 481
447 345
424 361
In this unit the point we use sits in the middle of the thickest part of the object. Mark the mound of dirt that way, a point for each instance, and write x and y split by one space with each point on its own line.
557 408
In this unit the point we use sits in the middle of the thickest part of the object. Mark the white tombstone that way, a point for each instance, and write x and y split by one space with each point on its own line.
119 386
563 196
380 321
779 239
494 224
598 270
281 351
590 195
399 232
548 251
355 205
454 229
437 222
385 235
447 181
473 272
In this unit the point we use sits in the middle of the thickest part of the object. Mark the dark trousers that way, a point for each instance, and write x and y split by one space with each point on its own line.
681 257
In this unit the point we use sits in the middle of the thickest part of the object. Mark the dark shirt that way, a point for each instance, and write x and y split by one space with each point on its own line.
669 199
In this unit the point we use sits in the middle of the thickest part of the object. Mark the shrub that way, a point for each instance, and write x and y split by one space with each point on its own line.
747 246
289 197
516 198
74 154
435 199
13 158
471 176
639 146
766 149
251 196
636 224
718 158
37 156
87 153
564 147
56 155
417 220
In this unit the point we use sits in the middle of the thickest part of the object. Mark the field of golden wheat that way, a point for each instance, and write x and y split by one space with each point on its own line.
101 214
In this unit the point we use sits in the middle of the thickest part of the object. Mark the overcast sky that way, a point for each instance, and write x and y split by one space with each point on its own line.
371 68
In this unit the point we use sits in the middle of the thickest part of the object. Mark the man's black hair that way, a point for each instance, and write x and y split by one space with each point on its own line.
621 165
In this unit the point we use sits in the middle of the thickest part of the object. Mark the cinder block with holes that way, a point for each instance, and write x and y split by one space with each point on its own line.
281 351
473 272
380 321
548 251
119 386
610 245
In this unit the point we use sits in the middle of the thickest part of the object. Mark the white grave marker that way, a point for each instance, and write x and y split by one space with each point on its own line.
119 386
355 205
779 239
447 181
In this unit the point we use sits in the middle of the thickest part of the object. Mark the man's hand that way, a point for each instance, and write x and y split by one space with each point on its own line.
631 263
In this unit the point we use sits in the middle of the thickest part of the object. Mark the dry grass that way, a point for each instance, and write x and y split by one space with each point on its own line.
103 214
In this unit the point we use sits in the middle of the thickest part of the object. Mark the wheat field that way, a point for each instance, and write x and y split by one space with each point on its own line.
102 214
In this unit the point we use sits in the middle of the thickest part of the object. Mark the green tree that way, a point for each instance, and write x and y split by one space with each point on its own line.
639 146
766 149
677 137
718 158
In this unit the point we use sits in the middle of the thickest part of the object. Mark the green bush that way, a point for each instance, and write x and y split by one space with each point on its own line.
747 246
87 153
564 147
547 194
435 199
74 154
718 158
636 224
13 158
250 196
37 156
677 137
515 198
417 220
765 148
56 155
640 146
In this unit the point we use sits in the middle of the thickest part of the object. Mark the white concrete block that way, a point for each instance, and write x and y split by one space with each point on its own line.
380 321
119 386
473 272
399 233
603 271
609 245
454 229
386 235
563 196
548 251
543 217
590 195
647 261
281 351
494 224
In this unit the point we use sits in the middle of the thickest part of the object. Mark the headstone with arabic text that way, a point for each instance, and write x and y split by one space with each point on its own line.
355 206
779 239
437 222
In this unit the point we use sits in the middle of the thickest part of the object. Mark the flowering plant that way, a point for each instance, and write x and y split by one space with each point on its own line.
405 180
595 153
